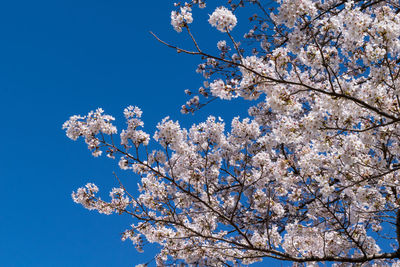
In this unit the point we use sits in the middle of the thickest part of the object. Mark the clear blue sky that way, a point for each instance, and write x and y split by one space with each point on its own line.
65 57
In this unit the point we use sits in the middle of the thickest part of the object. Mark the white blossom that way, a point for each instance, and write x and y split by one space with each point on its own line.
223 19
181 18
221 45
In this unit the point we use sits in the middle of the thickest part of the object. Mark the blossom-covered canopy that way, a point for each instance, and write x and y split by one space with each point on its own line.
311 175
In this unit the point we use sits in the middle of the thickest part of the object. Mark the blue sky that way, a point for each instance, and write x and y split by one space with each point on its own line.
60 58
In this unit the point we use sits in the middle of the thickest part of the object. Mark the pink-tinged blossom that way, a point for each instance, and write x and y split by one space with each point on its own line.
220 89
131 135
88 198
221 45
223 19
89 126
181 18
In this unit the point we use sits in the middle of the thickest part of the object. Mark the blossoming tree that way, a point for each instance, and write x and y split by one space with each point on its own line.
312 175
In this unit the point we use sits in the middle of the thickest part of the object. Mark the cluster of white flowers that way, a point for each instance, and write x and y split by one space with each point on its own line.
132 115
290 11
219 89
88 127
87 197
221 45
181 18
223 19
170 134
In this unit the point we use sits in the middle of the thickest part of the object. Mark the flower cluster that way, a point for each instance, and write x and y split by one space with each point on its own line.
137 137
87 197
223 19
221 45
88 127
181 18
219 89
